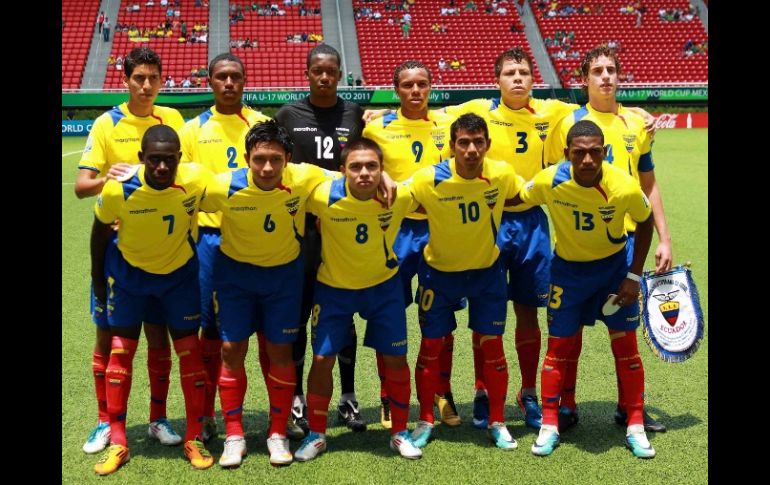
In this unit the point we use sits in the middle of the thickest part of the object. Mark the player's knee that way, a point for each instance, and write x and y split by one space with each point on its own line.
430 348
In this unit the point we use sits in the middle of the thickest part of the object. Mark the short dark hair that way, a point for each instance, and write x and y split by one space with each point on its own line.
268 131
139 56
584 128
361 144
517 54
410 64
469 122
225 56
322 49
161 133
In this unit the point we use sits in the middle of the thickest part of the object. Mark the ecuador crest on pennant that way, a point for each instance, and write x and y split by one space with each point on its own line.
671 314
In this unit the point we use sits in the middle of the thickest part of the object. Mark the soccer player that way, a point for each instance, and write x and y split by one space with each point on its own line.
589 201
463 198
320 126
412 138
153 268
110 150
257 278
215 139
358 274
629 147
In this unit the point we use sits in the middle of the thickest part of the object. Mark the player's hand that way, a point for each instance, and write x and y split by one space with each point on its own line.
100 290
119 170
628 292
388 189
664 257
372 114
649 120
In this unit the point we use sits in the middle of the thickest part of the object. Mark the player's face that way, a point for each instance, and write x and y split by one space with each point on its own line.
160 158
144 84
413 89
227 80
602 78
266 161
586 154
324 74
515 81
363 171
469 149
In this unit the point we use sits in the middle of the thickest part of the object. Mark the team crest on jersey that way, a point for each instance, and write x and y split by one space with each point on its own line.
384 219
342 136
439 137
607 212
189 204
542 129
490 196
89 145
629 141
292 205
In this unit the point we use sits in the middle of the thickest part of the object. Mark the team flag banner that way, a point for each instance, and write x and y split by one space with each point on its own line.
671 314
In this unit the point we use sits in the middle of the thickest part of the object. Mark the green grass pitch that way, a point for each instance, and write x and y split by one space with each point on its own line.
592 452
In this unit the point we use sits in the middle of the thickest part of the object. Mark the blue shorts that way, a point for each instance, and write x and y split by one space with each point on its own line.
410 241
382 306
208 245
630 248
579 291
440 292
136 295
252 298
525 250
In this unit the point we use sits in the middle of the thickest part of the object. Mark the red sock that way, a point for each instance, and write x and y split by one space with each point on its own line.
99 367
118 377
264 361
280 390
630 372
495 375
621 398
569 381
528 350
381 374
211 352
232 390
397 383
478 362
192 375
552 376
158 368
445 365
426 375
317 410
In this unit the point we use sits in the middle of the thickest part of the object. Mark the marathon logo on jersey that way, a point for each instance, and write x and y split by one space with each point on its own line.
607 212
501 123
400 343
305 128
189 204
490 196
292 206
439 137
385 219
206 141
629 140
342 136
398 136
126 140
542 129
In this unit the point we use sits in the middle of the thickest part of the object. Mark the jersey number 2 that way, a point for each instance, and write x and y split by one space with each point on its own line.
231 153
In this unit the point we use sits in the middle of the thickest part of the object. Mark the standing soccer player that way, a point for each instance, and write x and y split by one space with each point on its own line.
320 126
111 149
590 202
629 147
359 274
215 139
153 267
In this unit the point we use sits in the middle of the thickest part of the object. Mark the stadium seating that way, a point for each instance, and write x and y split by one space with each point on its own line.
178 59
653 52
79 22
275 62
476 38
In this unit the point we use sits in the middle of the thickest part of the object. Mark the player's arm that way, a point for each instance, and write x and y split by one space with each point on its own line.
664 255
628 292
100 238
387 188
88 183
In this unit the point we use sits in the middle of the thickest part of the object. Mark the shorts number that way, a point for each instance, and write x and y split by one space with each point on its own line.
523 141
426 298
555 300
170 219
269 224
588 221
361 233
314 314
470 213
417 151
231 153
323 147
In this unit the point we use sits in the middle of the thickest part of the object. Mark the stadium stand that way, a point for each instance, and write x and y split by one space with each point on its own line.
78 24
179 59
275 61
475 37
653 52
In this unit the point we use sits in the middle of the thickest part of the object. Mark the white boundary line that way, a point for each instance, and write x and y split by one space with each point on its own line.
71 153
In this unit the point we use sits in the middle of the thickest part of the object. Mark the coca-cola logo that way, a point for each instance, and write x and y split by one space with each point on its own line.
666 120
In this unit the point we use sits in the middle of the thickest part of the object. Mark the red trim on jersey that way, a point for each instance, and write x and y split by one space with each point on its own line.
485 179
623 120
280 186
160 120
601 191
175 186
529 108
240 115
